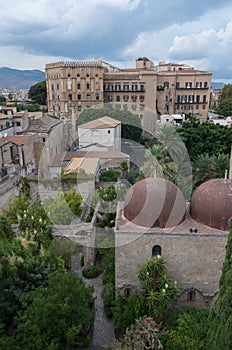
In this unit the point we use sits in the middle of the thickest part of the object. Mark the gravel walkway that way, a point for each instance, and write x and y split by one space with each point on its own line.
103 330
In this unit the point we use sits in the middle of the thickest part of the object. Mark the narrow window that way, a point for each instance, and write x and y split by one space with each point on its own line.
191 296
156 250
127 292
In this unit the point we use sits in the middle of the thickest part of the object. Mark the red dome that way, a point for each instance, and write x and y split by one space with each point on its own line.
155 202
211 203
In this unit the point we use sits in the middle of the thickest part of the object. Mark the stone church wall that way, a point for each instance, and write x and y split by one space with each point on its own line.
194 260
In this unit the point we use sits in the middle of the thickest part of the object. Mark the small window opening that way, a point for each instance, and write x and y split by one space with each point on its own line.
191 296
156 250
127 292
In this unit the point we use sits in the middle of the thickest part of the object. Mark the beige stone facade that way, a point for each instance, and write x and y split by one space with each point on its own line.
144 90
74 86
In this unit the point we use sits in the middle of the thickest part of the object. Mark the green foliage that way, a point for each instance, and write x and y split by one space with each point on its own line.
206 167
108 296
225 107
92 271
124 166
38 93
6 231
133 175
226 92
108 279
110 176
63 248
127 310
22 270
202 138
64 208
220 318
131 124
157 286
56 317
144 334
186 328
108 194
157 292
2 100
159 164
34 107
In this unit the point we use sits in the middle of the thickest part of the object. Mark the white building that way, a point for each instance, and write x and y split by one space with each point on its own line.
104 131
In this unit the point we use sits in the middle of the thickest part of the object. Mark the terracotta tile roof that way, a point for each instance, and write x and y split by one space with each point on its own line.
18 139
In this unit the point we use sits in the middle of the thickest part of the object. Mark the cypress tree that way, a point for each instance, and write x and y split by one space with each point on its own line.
220 317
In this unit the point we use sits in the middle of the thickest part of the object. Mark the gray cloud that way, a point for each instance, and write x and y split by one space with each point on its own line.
111 29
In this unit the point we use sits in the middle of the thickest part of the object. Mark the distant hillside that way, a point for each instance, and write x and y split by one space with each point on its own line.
16 79
216 86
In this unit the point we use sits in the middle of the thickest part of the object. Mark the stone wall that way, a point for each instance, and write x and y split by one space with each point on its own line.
193 260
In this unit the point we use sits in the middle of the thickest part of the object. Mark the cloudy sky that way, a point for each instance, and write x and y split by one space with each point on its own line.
199 33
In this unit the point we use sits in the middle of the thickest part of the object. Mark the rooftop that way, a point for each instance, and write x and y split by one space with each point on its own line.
89 165
101 123
44 124
18 139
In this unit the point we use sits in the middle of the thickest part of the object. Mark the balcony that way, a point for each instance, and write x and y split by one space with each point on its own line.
192 88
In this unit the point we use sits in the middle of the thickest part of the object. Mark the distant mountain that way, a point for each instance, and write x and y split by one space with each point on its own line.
16 79
216 86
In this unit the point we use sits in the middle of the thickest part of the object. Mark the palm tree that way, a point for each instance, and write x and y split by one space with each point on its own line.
206 167
159 164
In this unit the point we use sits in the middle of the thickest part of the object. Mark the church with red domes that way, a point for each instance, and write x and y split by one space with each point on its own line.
155 219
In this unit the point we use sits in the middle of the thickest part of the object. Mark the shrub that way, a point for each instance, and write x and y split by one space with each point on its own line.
108 298
91 271
186 328
110 176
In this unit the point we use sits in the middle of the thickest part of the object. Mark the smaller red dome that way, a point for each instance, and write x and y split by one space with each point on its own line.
155 202
211 203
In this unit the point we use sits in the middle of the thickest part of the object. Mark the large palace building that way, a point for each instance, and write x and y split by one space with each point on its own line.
163 89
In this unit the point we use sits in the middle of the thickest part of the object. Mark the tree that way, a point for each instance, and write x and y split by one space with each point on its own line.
220 317
38 93
226 92
2 100
6 231
157 286
225 107
56 317
157 292
185 328
159 164
202 138
64 248
131 123
206 167
64 208
23 268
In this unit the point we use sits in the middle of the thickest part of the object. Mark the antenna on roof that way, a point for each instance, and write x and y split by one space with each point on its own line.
5 135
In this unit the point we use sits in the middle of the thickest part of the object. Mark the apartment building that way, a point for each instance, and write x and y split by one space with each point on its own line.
146 90
183 89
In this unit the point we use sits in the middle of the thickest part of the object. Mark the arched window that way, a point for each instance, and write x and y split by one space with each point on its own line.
191 296
127 292
156 250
